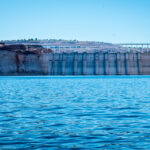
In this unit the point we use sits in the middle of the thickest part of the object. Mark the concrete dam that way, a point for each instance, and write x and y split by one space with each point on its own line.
98 63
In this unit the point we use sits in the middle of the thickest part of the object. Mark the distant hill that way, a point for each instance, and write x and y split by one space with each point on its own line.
61 45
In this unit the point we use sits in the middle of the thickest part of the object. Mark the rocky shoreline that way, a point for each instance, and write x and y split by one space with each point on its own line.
36 60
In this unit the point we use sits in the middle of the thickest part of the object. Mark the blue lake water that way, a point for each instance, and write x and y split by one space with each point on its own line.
111 112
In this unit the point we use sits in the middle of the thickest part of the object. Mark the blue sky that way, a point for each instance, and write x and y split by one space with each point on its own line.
96 20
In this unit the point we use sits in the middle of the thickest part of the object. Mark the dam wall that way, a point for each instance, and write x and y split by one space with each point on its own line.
99 63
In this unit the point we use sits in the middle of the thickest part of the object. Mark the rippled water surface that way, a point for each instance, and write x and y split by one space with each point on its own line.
75 112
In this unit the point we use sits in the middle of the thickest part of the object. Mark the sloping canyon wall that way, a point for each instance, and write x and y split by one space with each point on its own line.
13 63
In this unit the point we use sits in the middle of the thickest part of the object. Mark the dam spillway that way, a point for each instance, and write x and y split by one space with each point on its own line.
97 63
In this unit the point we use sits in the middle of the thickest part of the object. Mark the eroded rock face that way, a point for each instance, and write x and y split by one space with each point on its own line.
7 62
44 59
23 60
44 62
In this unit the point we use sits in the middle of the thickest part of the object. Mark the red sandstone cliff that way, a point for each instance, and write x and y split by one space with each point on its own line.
21 59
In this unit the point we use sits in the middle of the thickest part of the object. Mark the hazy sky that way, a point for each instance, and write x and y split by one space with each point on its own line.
97 20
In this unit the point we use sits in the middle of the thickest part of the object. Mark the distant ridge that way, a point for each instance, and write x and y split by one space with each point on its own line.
60 45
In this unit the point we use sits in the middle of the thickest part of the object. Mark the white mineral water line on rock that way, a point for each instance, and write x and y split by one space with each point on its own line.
97 67
50 63
127 64
55 64
101 64
92 64
135 58
75 64
122 64
84 58
64 64
112 64
44 61
139 63
80 64
106 64
118 64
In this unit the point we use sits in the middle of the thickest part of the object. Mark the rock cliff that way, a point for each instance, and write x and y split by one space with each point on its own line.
32 60
23 60
16 63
